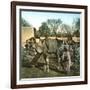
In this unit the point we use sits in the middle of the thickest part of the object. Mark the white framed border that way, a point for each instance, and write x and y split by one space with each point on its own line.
51 79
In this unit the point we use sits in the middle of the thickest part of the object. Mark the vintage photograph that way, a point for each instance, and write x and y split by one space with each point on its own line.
50 44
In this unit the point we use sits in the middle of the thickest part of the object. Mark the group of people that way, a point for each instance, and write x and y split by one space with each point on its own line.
63 51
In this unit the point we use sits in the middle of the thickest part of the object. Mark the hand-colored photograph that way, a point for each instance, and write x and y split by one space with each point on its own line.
49 44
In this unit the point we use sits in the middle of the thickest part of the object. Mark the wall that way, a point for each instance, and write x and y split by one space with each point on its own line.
5 45
27 33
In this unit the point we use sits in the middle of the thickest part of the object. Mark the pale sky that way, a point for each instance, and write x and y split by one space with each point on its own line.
36 18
